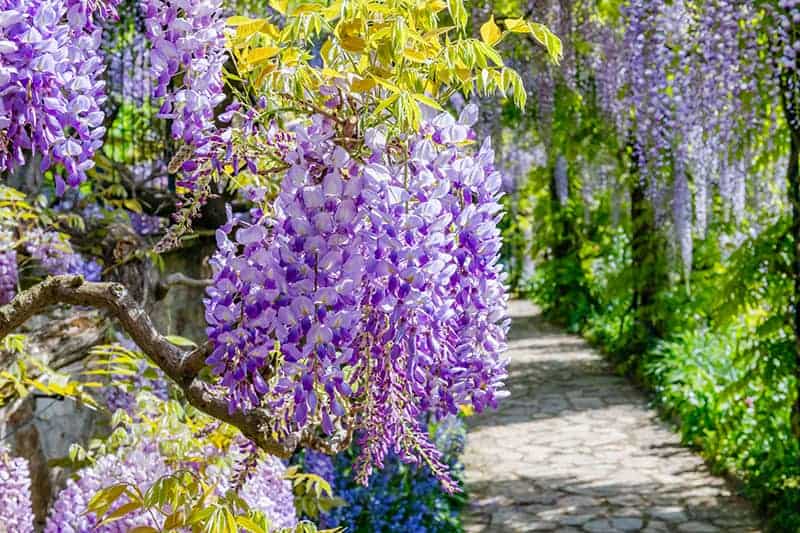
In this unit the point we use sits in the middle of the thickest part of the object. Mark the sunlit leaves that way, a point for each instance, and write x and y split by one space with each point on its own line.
540 32
395 57
313 495
490 33
184 501
458 12
28 374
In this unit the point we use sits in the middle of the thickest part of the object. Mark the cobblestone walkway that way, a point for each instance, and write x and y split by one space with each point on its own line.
576 449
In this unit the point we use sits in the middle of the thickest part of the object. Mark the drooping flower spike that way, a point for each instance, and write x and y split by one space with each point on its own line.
370 294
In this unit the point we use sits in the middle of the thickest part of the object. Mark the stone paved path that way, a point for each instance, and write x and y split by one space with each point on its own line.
576 449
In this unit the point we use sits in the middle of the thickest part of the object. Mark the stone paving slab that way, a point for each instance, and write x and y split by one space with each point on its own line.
576 449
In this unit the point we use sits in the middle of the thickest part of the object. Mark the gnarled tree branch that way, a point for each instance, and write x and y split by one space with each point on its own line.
182 366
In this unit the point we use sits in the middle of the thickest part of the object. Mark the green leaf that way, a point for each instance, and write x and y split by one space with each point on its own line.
281 6
261 54
489 52
121 512
181 341
428 101
458 12
385 104
490 33
105 498
249 525
238 21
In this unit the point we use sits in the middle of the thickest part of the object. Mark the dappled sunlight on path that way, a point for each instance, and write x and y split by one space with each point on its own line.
576 449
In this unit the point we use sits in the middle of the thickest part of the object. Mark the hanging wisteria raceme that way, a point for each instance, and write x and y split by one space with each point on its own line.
682 213
606 63
9 273
686 84
267 490
116 396
648 56
372 284
57 257
519 157
129 76
561 179
187 39
91 14
788 42
50 85
16 512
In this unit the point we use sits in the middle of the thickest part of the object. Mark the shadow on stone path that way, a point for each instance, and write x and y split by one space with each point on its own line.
575 449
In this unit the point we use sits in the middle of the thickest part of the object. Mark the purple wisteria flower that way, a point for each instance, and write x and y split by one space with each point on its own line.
140 466
50 85
372 292
692 121
57 256
16 512
187 38
265 490
9 273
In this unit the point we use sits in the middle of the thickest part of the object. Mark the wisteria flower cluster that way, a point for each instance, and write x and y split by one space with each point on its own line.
267 490
693 120
56 255
369 293
16 512
141 465
50 86
187 39
788 19
127 56
9 273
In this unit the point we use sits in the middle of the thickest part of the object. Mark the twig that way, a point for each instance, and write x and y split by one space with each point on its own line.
180 279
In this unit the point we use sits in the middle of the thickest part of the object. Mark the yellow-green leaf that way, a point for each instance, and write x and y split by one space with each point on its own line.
257 55
386 103
104 498
490 33
362 85
238 21
281 6
246 30
180 341
458 12
516 25
120 512
132 204
428 101
249 524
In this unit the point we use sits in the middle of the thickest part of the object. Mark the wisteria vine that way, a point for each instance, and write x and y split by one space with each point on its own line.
369 292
